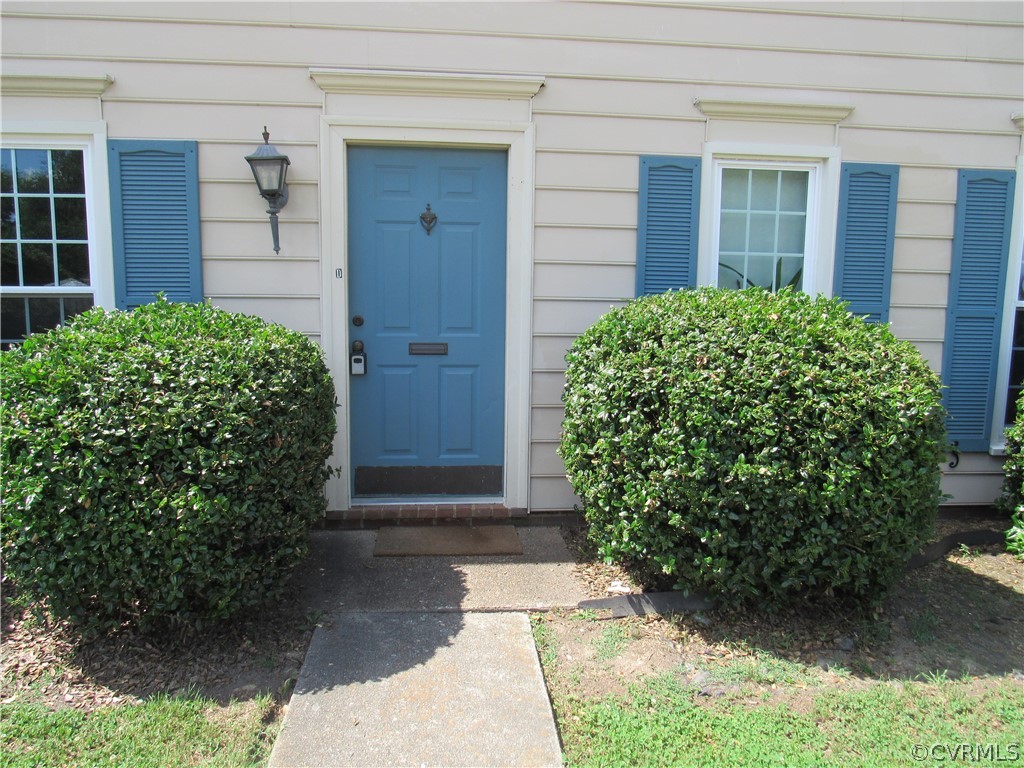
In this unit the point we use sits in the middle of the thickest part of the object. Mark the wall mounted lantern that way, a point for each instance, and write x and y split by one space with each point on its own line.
270 169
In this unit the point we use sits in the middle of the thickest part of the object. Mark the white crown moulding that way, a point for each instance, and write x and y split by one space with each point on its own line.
412 83
831 114
54 85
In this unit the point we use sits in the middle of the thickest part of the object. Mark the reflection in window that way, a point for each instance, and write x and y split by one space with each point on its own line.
44 240
762 228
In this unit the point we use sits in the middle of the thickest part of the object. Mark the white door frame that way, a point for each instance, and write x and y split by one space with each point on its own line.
336 133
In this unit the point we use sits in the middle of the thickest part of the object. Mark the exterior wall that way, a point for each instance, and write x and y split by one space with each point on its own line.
932 87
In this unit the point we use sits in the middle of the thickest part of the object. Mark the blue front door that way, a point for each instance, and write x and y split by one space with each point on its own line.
427 307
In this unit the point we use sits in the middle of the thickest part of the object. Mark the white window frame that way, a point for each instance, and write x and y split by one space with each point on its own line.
997 439
91 139
823 164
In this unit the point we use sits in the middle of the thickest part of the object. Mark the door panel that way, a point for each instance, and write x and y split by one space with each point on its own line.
398 385
427 418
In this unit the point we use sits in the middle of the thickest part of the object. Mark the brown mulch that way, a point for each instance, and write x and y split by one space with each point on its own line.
44 661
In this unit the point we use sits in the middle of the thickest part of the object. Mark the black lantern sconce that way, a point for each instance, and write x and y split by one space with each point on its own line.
270 169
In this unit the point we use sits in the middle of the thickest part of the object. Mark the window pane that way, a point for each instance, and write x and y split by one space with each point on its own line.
761 271
76 306
6 171
734 188
1011 405
9 265
37 263
34 217
731 271
764 191
1018 327
733 232
8 226
33 170
794 191
70 213
12 319
73 264
43 314
762 233
791 233
1016 367
68 171
789 272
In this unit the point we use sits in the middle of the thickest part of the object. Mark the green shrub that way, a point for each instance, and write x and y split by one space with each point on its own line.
1012 499
161 467
1015 536
764 447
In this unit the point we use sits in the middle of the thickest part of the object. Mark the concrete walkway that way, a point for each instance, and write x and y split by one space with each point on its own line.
425 661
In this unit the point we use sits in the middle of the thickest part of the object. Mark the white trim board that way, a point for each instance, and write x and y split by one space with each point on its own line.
419 83
54 85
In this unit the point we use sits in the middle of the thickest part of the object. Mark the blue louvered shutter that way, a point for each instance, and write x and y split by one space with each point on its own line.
981 244
667 224
865 233
154 192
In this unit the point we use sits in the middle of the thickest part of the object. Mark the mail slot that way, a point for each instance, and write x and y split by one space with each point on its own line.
428 349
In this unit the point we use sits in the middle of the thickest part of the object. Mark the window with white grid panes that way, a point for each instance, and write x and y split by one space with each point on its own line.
44 243
762 227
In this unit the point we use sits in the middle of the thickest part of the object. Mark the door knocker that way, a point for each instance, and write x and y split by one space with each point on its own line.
428 219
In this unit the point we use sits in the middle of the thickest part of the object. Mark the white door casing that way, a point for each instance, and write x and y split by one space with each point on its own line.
518 139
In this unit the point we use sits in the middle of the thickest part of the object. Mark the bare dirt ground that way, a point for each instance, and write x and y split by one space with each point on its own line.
959 617
962 615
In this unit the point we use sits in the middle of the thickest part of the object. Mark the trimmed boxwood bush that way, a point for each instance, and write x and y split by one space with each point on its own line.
161 467
1013 483
764 447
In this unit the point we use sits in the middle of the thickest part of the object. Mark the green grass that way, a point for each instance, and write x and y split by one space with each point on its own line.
163 732
543 638
762 668
611 641
662 722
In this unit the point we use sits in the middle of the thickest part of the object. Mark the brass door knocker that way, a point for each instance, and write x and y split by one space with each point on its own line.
428 219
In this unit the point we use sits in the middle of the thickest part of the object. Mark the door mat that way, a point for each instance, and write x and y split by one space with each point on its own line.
476 540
